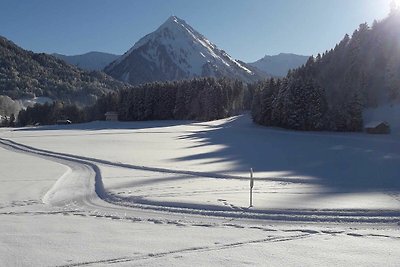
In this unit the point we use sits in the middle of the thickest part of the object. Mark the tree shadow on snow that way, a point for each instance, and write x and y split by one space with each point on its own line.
353 162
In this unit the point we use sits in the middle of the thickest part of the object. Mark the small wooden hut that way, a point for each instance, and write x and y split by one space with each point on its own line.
377 127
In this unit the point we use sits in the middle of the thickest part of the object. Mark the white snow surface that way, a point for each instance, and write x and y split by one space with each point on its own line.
28 184
176 193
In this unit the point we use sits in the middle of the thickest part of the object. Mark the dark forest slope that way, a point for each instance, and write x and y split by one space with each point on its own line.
26 74
331 90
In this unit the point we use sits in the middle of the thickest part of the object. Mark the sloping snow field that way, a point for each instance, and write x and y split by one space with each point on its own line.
177 193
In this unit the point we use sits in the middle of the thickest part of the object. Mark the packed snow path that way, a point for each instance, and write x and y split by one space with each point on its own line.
82 186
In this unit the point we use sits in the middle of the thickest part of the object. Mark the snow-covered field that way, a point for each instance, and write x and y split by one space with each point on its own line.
176 193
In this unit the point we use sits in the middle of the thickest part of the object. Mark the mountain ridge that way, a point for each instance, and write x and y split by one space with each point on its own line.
176 51
279 65
92 60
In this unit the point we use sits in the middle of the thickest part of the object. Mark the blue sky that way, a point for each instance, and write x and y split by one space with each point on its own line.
246 29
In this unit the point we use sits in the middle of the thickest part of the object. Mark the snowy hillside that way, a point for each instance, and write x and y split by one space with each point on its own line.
279 65
89 61
25 74
176 51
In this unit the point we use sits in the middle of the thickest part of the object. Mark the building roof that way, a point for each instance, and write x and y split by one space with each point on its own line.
374 124
111 113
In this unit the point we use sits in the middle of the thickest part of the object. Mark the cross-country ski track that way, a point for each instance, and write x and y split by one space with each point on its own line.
84 179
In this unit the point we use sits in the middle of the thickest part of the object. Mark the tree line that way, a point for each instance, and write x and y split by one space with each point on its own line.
300 103
48 114
197 99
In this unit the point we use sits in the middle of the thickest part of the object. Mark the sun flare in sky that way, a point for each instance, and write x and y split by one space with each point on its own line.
395 4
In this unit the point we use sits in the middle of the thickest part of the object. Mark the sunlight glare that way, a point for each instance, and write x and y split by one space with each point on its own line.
395 4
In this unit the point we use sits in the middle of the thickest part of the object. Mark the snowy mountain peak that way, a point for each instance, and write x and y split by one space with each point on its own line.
174 19
176 51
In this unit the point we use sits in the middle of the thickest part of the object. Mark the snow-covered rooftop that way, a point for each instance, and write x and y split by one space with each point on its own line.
374 124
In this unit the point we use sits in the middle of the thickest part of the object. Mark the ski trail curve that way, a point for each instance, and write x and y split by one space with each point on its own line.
82 185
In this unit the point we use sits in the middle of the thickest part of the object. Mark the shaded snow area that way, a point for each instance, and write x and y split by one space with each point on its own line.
177 193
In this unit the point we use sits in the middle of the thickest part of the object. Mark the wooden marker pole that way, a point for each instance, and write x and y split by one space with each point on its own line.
251 187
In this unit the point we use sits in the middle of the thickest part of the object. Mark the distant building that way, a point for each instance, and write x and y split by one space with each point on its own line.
111 116
377 127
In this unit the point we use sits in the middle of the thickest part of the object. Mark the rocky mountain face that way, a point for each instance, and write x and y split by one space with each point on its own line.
89 61
176 51
279 65
24 74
